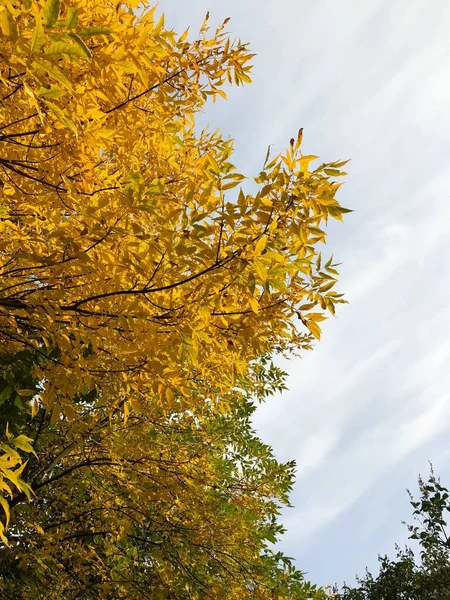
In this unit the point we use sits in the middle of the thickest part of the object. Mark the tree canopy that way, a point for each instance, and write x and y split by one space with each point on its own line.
143 293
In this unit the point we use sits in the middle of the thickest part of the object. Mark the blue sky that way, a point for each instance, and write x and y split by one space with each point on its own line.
370 406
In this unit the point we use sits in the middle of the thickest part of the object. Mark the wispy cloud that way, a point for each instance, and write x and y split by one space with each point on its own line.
370 81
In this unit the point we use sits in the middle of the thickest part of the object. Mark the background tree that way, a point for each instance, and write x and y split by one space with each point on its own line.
411 575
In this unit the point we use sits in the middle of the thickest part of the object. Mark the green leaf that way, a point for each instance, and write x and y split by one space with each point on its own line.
71 19
51 12
85 50
91 31
339 164
5 394
51 92
60 48
334 172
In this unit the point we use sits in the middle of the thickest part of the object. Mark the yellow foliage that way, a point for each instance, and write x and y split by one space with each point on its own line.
11 467
118 229
147 285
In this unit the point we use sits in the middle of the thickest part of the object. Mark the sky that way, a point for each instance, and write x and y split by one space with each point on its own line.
370 406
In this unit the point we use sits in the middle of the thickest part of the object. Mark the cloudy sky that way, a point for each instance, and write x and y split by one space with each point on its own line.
370 406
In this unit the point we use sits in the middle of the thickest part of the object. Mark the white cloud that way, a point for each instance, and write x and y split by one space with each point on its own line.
349 475
367 80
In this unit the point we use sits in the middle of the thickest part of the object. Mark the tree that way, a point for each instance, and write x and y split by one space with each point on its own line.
142 296
408 576
168 505
127 264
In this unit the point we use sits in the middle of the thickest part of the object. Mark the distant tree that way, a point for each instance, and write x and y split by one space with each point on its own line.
409 576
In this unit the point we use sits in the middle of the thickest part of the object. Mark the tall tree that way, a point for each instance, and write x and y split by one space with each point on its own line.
414 576
142 294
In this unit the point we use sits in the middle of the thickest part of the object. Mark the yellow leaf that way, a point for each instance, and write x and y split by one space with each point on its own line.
261 244
159 25
23 442
5 506
56 412
34 407
38 39
305 160
26 392
2 534
8 25
183 37
316 317
314 329
135 404
62 116
327 286
260 270
9 435
254 304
